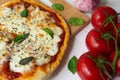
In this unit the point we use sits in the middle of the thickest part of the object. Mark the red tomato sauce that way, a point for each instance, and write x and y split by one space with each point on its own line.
7 73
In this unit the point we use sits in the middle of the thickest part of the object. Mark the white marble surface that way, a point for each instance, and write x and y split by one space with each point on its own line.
77 45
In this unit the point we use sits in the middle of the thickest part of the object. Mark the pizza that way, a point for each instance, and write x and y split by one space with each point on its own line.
33 40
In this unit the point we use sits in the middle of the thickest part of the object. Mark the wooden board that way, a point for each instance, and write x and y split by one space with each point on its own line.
69 11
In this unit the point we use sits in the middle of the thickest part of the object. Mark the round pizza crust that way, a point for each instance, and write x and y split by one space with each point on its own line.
44 72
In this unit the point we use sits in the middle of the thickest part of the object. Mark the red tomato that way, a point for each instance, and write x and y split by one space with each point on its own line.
87 68
111 57
96 42
99 16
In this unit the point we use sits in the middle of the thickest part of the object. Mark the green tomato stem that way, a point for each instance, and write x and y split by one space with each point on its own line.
116 45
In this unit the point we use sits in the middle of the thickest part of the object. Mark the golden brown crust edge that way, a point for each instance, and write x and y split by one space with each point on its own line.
40 74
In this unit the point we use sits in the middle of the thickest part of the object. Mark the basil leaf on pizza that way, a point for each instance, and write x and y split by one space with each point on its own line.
24 13
20 38
50 32
33 39
26 60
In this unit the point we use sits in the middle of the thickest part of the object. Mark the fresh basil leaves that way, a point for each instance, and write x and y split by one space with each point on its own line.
75 21
58 7
26 60
72 64
24 13
49 31
20 38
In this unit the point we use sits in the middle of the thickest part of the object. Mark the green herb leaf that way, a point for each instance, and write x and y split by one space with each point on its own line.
24 13
76 21
20 38
72 64
26 60
49 31
58 6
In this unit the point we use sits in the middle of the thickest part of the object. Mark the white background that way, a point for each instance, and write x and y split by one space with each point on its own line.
77 45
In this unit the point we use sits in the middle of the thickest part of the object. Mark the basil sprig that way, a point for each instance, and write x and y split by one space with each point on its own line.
20 38
58 6
72 64
26 60
75 21
49 31
24 13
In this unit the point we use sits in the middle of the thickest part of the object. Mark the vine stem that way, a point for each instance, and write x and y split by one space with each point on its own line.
116 45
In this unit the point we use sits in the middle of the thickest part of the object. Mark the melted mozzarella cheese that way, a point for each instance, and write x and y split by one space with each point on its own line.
3 52
57 30
15 59
6 12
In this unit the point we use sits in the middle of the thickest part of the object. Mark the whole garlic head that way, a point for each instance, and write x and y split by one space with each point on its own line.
86 5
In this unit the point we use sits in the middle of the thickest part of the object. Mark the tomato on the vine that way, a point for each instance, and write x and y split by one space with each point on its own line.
99 18
91 66
101 41
98 41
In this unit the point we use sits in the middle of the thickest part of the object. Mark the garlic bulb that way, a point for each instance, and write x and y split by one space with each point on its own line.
86 5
